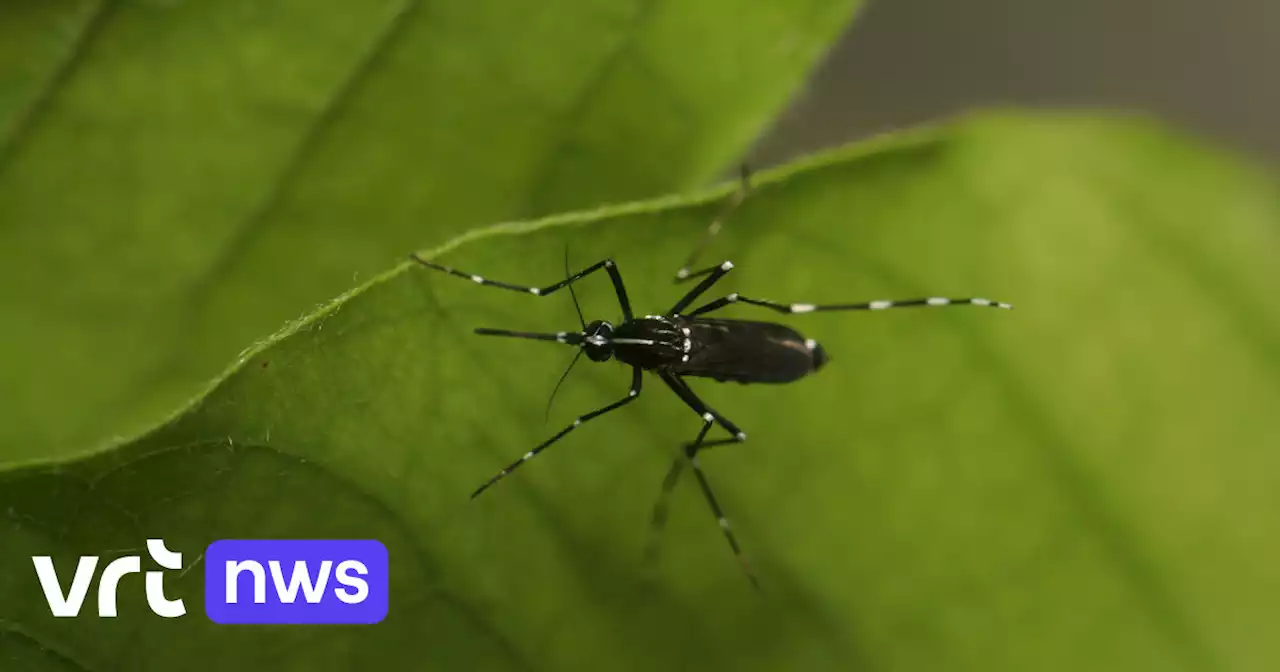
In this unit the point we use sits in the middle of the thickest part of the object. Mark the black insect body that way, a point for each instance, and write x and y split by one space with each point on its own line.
682 343
746 351
738 350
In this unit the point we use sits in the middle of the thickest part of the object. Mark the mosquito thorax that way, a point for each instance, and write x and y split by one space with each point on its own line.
595 341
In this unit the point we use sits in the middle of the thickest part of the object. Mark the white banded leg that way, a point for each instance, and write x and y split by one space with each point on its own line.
660 507
700 407
734 201
869 305
709 417
713 276
606 264
691 451
636 379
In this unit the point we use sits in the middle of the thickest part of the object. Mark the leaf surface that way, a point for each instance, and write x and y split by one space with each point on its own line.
179 178
1083 483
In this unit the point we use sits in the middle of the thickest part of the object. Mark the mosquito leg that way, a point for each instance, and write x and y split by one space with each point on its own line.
734 201
870 305
691 400
709 417
673 476
713 276
706 271
607 265
659 520
636 378
692 452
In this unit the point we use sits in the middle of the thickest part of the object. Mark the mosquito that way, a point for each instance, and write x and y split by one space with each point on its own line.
681 343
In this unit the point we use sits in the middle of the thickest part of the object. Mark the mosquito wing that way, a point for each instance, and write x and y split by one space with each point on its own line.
748 352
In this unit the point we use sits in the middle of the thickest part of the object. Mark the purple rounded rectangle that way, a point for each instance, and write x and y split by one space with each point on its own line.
296 581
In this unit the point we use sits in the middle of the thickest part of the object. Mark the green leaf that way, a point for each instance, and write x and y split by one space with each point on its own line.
1083 483
179 178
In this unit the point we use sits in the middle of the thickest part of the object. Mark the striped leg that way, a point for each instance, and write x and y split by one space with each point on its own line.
870 305
691 451
716 224
700 407
636 379
709 417
713 276
659 519
607 265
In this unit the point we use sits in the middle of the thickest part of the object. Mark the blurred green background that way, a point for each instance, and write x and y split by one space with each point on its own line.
1086 482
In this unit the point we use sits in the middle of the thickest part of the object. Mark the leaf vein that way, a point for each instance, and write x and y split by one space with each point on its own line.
62 73
254 224
577 110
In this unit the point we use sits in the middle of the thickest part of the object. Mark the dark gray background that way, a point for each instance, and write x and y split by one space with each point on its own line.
1210 67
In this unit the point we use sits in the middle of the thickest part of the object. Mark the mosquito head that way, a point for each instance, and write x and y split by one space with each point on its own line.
595 341
818 353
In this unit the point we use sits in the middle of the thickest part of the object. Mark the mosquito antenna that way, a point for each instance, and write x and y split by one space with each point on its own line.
547 415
